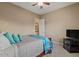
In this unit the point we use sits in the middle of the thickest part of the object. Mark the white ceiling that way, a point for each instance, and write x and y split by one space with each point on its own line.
52 7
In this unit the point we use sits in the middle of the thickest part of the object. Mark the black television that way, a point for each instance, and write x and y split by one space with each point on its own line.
72 33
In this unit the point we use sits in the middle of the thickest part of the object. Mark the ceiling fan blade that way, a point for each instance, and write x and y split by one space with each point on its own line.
47 3
34 4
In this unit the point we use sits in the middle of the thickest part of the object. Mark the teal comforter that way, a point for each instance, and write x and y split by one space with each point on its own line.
46 42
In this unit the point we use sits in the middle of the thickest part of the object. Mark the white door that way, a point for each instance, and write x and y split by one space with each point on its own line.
42 27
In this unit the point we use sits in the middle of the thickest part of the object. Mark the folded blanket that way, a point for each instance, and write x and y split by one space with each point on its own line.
46 42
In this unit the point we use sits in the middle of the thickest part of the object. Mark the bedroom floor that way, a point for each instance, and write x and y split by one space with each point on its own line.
59 51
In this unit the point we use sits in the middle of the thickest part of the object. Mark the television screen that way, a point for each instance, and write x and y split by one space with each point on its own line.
72 33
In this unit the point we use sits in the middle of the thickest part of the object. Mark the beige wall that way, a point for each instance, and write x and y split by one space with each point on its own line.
58 21
15 19
18 20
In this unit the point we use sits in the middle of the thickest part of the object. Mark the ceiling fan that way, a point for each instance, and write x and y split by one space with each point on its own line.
41 4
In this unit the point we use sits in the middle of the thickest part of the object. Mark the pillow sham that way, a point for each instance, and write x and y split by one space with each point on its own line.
15 38
9 37
20 37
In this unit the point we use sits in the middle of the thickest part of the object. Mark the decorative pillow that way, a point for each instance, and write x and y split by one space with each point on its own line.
9 37
15 38
4 42
20 37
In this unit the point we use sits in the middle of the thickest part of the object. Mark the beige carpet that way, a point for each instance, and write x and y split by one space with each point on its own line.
59 51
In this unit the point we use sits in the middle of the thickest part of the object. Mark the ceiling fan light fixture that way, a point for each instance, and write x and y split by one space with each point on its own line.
41 4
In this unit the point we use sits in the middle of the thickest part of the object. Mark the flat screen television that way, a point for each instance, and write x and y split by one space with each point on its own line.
72 33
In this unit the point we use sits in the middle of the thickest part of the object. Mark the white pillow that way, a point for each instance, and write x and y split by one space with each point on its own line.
2 32
4 42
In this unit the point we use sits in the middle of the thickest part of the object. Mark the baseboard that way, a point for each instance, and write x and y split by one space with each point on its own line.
57 42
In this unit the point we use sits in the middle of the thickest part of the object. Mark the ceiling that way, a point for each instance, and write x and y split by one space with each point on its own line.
52 7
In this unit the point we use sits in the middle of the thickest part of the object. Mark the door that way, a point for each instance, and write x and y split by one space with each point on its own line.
42 27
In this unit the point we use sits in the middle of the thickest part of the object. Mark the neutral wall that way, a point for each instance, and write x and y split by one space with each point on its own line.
58 21
15 19
18 20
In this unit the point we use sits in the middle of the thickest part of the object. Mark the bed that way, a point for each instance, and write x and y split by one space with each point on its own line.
28 47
